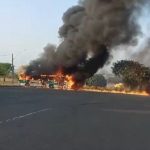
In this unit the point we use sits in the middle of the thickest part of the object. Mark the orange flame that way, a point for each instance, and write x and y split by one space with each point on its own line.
66 81
24 77
70 81
140 93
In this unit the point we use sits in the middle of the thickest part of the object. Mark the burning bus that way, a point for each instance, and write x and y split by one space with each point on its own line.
56 81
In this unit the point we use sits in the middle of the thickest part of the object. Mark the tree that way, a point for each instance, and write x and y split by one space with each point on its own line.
133 74
5 68
97 80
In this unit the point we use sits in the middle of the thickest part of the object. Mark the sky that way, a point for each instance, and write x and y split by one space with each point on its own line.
27 26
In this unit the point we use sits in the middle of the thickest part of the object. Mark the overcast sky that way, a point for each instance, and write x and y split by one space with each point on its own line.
26 26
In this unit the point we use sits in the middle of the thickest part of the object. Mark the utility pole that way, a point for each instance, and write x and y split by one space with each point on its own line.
12 68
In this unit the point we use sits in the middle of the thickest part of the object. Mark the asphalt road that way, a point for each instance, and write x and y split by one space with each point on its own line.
42 119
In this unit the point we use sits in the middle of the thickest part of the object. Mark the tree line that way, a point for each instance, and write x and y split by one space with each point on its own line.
133 74
5 69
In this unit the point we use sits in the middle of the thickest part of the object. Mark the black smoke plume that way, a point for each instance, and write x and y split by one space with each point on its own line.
89 31
144 55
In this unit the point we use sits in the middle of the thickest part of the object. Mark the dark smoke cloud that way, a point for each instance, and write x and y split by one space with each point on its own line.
45 64
92 28
144 55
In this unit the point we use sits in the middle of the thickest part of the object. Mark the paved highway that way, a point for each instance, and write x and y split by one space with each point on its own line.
43 119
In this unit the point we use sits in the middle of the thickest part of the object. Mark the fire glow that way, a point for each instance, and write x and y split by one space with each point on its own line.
64 80
70 81
23 76
138 93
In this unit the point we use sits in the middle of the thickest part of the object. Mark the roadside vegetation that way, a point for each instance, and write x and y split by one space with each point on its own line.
97 80
6 74
134 75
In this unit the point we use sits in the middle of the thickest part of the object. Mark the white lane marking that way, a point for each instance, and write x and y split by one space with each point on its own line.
24 116
127 111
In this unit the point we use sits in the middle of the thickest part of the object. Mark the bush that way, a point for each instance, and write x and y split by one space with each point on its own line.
133 74
97 80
